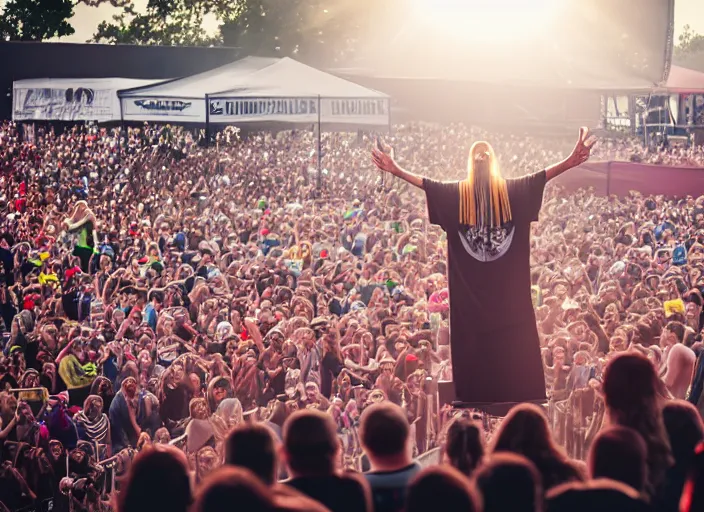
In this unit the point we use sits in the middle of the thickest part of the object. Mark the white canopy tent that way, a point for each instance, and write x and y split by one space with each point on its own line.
290 92
183 100
259 91
69 99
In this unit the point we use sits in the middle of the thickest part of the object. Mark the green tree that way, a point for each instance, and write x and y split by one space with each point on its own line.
689 43
165 22
37 20
318 29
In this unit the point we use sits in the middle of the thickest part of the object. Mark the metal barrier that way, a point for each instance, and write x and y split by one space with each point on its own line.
430 458
573 420
352 452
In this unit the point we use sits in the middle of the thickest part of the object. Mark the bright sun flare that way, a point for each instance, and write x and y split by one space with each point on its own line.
490 21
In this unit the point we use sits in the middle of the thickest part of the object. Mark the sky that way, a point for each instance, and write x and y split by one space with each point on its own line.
86 18
689 12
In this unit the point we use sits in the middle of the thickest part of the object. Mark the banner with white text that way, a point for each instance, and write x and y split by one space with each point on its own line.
163 110
339 111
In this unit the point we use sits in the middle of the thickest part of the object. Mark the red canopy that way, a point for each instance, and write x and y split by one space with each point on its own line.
685 81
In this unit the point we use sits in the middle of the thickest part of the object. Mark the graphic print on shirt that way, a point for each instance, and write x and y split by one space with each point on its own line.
487 243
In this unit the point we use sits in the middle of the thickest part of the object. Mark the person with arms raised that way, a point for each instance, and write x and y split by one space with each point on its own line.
487 220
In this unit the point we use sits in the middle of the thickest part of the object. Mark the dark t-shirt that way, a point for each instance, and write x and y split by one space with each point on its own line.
493 332
69 301
367 291
7 381
389 488
330 368
174 407
337 493
670 492
591 500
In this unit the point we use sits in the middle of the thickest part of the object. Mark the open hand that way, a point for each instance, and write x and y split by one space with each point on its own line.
383 158
582 149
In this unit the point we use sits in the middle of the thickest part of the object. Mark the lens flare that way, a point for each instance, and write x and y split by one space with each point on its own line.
489 21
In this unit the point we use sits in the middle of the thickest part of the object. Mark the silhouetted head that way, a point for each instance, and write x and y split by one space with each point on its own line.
158 480
685 429
253 446
464 446
619 453
230 488
510 482
445 481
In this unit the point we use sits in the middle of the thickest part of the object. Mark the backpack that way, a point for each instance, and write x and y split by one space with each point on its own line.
679 255
108 251
180 241
84 307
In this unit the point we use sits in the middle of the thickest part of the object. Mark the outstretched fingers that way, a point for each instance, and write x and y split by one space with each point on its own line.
583 134
377 158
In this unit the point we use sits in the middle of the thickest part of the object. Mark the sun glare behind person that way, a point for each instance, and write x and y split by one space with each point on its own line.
487 21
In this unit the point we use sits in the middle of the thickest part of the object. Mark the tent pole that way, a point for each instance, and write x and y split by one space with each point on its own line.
388 109
320 147
207 121
123 131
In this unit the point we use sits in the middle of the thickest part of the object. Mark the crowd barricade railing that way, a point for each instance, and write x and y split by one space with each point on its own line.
430 458
352 452
573 418
560 422
583 412
621 178
431 422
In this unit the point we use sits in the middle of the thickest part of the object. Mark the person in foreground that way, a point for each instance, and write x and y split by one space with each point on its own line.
634 396
685 430
158 480
487 220
385 437
525 431
229 488
464 446
693 493
312 453
617 466
253 446
457 493
510 482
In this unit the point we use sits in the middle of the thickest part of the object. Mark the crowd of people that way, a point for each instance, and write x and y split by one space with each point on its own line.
191 327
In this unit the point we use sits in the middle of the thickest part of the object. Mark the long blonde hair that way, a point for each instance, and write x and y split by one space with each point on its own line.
476 209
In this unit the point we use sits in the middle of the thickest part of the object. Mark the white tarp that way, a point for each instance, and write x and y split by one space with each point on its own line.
183 100
258 90
68 99
291 92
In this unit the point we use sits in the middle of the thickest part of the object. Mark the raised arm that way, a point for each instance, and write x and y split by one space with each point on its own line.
580 154
385 161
